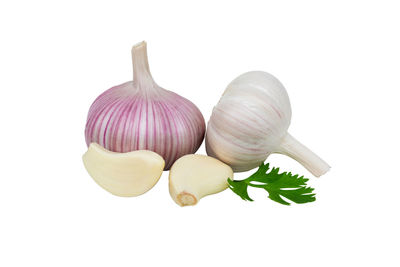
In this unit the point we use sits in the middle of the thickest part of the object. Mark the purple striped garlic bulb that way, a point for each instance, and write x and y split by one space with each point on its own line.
140 115
251 121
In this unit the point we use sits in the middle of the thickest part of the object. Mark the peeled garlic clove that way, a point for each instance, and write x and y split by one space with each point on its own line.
123 174
195 176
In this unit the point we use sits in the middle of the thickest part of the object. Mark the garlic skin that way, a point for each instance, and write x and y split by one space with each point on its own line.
251 121
123 174
140 115
193 177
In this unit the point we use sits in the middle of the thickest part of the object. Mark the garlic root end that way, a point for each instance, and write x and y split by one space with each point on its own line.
186 199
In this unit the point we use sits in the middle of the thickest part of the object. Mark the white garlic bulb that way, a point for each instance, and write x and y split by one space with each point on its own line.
251 121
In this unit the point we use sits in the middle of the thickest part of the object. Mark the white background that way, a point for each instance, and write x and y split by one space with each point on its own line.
340 62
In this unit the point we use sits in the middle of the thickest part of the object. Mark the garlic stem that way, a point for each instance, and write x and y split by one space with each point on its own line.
296 150
141 71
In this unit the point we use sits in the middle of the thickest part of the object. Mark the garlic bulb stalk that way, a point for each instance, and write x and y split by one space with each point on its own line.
140 115
251 121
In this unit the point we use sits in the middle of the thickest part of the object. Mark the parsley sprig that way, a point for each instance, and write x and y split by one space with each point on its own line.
285 184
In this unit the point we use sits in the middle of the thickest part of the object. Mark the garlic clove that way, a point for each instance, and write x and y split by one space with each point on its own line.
123 174
194 176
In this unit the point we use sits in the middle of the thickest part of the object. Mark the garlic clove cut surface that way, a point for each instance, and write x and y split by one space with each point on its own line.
123 174
194 176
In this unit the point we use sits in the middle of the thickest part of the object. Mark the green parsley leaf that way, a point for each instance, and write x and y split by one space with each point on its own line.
278 185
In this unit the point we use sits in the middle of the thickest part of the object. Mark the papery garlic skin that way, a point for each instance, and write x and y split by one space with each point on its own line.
140 115
251 121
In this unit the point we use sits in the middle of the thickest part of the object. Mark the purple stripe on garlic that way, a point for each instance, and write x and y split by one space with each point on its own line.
251 121
140 115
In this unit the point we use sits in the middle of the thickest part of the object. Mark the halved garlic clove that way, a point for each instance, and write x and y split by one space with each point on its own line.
123 174
194 176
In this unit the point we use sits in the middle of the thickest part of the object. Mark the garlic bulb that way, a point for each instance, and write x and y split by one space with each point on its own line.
251 121
140 115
